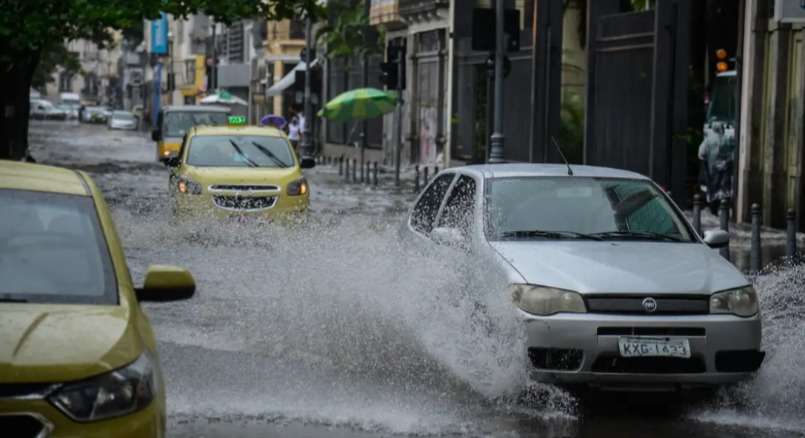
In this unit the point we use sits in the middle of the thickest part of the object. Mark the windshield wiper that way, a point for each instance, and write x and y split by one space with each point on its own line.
645 235
12 300
519 234
240 152
270 154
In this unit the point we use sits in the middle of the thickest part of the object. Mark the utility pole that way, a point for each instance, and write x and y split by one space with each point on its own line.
365 82
307 143
398 151
498 139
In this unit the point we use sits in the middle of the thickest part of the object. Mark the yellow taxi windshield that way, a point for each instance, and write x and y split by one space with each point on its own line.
239 151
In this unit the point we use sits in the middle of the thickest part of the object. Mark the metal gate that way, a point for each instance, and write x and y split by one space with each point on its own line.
637 90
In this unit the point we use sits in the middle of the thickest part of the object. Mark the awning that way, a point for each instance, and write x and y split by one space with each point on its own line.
288 79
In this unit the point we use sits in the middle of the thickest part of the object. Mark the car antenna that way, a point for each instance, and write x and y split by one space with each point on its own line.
559 148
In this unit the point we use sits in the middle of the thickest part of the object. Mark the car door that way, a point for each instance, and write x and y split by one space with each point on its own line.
423 216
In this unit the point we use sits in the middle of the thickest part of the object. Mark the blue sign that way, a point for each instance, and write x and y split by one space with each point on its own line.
159 35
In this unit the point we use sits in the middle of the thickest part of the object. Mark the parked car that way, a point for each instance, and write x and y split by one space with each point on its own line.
79 355
42 109
613 286
70 110
95 114
123 120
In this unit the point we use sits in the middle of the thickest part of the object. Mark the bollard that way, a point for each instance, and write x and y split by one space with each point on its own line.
346 169
416 179
697 213
724 218
340 166
435 170
368 172
791 233
755 261
354 170
363 165
425 177
374 175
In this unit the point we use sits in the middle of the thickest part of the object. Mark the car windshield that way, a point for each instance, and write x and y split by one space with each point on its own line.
52 250
580 208
239 151
123 115
177 123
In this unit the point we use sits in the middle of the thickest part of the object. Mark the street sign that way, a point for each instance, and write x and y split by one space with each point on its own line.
789 11
159 35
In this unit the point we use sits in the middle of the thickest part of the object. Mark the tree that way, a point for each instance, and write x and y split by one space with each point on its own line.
348 33
30 29
50 60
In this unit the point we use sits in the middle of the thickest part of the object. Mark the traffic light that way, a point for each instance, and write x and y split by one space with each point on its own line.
388 75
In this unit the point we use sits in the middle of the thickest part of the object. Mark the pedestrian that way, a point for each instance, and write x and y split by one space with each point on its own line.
716 154
293 131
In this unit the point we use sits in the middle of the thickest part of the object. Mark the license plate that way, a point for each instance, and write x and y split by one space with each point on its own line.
653 347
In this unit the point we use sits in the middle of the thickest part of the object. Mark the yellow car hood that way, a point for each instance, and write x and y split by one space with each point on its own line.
243 175
56 343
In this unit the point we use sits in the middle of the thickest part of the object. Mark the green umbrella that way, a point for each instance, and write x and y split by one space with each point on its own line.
359 104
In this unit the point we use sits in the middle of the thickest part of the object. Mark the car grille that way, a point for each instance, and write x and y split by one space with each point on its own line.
23 426
633 305
244 203
243 188
613 363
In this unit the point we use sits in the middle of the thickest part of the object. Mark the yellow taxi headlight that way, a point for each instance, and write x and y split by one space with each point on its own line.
298 187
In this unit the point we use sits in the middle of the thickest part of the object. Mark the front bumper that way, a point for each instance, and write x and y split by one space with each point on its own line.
590 342
146 423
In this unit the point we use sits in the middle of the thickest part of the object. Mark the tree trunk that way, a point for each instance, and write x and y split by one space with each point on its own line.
15 84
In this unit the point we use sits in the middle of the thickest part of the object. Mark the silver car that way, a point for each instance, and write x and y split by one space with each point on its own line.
122 120
613 286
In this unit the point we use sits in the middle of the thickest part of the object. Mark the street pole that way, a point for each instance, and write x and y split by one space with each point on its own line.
307 144
498 140
398 151
365 81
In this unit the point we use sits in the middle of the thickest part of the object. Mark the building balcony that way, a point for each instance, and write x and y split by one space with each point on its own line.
386 13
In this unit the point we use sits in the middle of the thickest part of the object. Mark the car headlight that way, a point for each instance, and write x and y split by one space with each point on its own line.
541 300
298 187
741 301
188 186
113 394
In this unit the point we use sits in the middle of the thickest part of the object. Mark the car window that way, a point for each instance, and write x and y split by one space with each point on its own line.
239 151
460 204
177 123
52 250
605 206
424 213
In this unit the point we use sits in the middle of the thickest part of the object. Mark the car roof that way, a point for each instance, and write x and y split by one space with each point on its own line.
238 130
203 108
539 169
26 176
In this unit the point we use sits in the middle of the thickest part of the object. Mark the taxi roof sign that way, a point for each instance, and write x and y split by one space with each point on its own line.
237 120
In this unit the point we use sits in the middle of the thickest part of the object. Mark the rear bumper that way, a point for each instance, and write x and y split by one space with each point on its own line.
583 348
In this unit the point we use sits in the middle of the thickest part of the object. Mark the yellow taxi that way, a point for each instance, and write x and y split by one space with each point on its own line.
238 171
77 354
173 122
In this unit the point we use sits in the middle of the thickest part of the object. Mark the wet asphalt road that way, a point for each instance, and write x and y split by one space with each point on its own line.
330 328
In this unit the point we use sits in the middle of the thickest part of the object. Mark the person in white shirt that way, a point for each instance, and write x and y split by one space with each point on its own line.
294 131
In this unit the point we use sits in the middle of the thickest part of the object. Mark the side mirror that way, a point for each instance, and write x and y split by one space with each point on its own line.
166 283
716 238
155 135
172 162
448 236
307 163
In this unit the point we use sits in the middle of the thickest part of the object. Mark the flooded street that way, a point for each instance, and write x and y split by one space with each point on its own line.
331 327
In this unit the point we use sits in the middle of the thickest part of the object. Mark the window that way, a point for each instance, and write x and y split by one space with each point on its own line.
610 207
424 213
65 82
458 210
52 250
189 71
177 123
239 151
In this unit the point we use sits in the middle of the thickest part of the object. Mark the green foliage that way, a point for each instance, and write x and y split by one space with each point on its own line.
33 26
50 60
571 126
348 32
